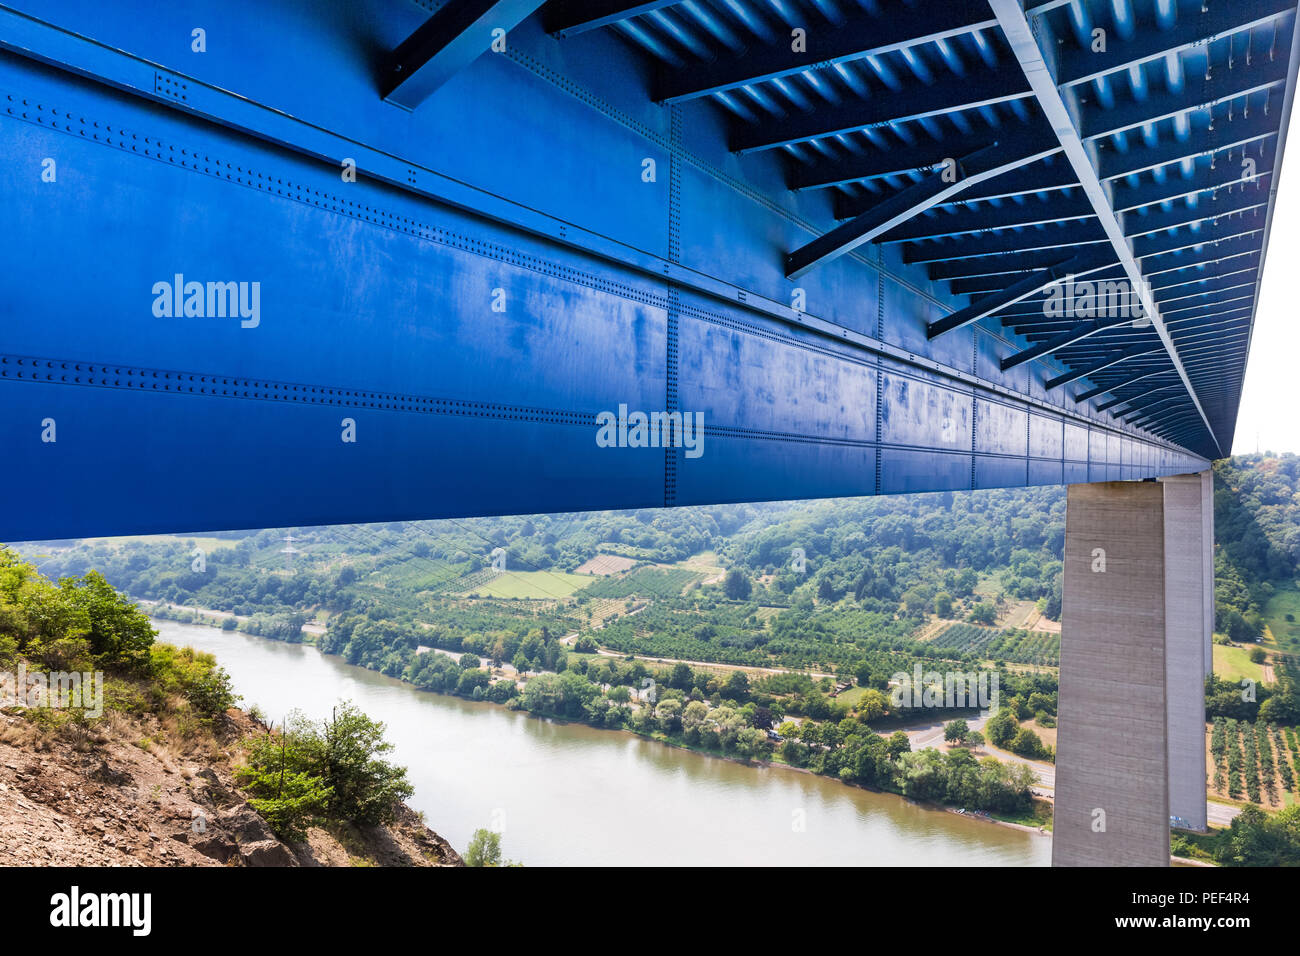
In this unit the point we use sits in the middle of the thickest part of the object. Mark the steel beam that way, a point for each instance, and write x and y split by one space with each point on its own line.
902 159
911 202
1202 274
1213 252
1041 177
1199 309
1198 93
985 217
1106 406
1081 331
1031 57
827 45
1228 284
996 264
952 94
1082 63
1055 237
450 40
1079 265
1139 158
1128 380
1203 180
1152 244
1083 371
985 286
1162 220
567 18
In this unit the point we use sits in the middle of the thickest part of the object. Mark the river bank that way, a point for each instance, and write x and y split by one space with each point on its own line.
776 761
572 794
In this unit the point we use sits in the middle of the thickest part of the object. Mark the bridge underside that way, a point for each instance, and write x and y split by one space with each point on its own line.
839 258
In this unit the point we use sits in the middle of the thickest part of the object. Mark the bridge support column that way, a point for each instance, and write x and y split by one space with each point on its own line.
1189 591
1131 724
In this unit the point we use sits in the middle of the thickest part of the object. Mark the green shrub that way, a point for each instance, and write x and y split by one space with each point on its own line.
193 675
341 771
290 800
1026 743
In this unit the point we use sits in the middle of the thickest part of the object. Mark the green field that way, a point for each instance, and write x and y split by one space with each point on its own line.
1234 664
535 585
419 576
852 696
645 581
1285 633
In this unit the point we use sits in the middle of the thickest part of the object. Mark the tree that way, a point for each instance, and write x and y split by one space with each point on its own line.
348 751
794 753
983 613
119 632
484 849
1244 629
872 704
669 714
956 731
736 585
1001 727
1026 743
290 800
695 714
544 694
332 770
830 735
899 744
737 686
923 775
681 677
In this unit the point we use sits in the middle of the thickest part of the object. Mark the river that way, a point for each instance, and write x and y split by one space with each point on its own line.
566 794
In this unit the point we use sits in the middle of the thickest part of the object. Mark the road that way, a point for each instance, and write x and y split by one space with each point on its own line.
930 734
1220 814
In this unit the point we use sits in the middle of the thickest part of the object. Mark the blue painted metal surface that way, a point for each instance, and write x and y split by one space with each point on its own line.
598 214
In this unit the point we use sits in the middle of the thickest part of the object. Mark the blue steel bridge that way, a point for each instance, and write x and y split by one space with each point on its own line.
280 262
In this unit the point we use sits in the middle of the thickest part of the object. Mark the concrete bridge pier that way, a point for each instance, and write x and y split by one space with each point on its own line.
1137 617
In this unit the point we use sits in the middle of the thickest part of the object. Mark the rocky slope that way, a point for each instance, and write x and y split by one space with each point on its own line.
110 794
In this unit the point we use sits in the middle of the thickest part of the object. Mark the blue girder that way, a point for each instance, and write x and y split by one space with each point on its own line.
599 206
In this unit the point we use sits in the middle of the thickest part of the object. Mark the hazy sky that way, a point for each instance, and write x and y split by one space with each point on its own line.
1270 412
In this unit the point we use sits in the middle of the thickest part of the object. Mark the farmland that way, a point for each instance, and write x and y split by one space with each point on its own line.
1012 645
645 581
1256 762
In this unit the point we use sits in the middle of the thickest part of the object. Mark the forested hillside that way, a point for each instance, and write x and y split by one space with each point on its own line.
888 555
804 584
1257 533
1257 560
